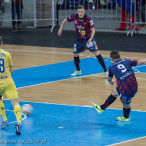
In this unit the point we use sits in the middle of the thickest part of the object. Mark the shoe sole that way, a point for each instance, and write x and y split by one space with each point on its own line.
123 120
17 130
75 75
5 125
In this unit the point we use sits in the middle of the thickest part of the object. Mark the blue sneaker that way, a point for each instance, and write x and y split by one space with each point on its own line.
6 123
17 126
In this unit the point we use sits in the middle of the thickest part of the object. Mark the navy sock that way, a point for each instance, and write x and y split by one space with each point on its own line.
77 63
101 61
108 102
126 112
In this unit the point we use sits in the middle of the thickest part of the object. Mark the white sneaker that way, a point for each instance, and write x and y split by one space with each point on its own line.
106 74
76 73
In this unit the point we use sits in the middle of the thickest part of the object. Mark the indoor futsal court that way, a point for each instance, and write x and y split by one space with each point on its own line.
63 115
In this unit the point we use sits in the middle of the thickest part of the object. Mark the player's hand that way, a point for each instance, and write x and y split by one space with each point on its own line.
59 32
89 41
112 82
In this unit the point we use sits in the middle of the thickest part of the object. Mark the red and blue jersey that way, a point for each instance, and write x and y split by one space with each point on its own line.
125 77
82 25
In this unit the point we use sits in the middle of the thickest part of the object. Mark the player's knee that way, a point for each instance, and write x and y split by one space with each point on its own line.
76 54
96 53
126 106
14 101
114 92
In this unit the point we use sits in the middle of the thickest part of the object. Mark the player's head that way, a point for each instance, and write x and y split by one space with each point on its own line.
115 55
81 11
1 41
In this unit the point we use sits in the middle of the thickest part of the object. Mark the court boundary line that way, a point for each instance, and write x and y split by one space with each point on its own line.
25 117
72 105
126 141
65 53
59 80
98 75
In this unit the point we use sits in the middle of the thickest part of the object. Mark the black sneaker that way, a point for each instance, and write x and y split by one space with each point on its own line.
15 28
19 28
17 126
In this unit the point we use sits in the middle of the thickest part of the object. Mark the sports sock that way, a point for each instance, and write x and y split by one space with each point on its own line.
2 111
77 63
18 113
101 61
108 102
126 112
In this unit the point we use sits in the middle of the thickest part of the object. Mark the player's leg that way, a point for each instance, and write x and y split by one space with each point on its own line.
18 114
3 114
101 61
126 108
126 112
12 95
109 101
93 48
78 48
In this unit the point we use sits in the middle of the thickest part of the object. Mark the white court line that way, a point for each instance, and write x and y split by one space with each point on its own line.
25 116
127 141
63 53
74 105
98 75
59 80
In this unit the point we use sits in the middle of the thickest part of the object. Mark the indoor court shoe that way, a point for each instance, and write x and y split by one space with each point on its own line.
4 124
76 73
19 28
122 118
15 28
97 107
17 126
106 74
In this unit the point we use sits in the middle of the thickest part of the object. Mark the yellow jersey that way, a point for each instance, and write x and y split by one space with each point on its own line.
5 63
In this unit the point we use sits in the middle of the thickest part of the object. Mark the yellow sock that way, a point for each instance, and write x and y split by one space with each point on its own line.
2 111
18 113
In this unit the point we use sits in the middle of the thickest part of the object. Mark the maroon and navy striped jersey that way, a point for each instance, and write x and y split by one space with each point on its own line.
125 77
83 26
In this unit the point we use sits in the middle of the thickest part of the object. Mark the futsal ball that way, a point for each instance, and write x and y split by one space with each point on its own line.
27 109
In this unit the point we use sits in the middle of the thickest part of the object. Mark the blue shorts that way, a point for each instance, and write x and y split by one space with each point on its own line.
80 46
126 99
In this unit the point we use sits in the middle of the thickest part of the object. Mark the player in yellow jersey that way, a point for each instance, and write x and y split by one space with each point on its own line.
8 87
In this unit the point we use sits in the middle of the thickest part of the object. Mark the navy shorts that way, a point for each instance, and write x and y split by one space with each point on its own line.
80 46
126 99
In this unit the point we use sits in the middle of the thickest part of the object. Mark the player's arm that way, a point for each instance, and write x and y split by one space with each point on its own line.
61 27
11 69
92 35
10 63
110 76
91 24
141 62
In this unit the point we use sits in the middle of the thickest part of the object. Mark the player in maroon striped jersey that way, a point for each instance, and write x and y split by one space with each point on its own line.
126 84
84 38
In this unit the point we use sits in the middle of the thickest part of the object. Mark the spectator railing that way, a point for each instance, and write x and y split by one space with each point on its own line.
107 14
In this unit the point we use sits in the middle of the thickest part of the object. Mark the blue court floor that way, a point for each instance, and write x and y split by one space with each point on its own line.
65 125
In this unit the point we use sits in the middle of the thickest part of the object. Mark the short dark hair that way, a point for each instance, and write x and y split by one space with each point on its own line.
115 55
1 40
80 7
